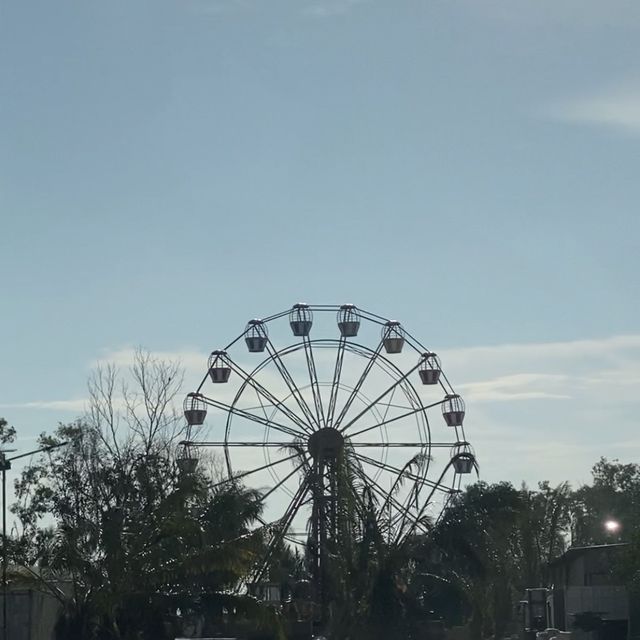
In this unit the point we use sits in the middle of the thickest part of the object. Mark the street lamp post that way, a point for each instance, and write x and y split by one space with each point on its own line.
5 465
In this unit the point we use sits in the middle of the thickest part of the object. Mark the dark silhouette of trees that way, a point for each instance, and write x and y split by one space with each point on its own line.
613 495
132 548
110 517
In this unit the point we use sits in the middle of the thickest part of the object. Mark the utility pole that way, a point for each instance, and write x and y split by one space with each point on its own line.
5 465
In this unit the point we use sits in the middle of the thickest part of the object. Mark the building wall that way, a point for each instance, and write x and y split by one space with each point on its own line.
611 602
31 615
582 582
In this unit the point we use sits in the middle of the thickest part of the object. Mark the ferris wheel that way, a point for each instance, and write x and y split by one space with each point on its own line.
319 401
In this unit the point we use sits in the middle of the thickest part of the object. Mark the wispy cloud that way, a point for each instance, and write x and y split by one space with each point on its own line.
542 350
555 370
217 7
313 8
328 8
72 406
191 359
534 410
485 374
571 14
518 386
617 108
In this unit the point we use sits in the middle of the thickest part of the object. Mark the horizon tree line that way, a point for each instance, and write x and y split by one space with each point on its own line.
134 549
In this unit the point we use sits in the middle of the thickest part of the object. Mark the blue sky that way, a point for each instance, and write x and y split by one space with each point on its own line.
172 168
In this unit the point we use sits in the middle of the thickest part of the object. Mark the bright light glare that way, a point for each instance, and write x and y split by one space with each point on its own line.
612 526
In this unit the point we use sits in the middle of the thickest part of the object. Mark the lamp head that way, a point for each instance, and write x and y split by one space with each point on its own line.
611 526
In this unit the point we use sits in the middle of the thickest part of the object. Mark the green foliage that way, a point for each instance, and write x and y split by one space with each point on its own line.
628 568
7 433
374 561
495 542
613 495
542 528
136 540
110 515
477 535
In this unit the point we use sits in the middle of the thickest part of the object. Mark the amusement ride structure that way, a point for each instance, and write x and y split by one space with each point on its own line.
325 420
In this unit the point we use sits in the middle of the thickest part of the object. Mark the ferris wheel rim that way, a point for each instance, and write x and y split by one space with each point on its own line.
353 347
313 420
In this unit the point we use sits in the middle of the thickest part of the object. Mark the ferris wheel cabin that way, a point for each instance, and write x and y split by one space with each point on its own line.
219 367
453 410
195 410
348 321
256 336
429 368
392 337
300 319
463 458
186 461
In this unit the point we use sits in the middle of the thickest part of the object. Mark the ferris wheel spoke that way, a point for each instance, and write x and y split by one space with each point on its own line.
396 484
335 384
273 489
281 526
261 391
240 443
413 520
251 416
400 445
388 404
447 500
393 471
413 497
382 494
356 389
313 378
289 537
293 388
385 466
385 393
420 409
438 484
245 474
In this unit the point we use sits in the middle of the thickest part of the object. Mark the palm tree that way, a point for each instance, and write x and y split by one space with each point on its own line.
372 558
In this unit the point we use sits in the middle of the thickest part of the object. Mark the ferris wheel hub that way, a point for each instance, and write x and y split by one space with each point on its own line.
325 443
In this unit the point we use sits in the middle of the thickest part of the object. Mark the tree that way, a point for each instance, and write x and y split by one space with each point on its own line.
131 418
111 514
542 528
7 433
613 495
376 560
478 535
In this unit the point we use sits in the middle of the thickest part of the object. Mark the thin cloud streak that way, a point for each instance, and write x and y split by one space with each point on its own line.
572 348
484 374
562 370
534 410
519 386
617 108
329 8
74 405
568 14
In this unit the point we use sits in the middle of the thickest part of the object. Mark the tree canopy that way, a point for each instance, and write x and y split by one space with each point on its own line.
134 548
